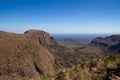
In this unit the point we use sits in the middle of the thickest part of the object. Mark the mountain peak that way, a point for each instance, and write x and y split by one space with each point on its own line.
40 36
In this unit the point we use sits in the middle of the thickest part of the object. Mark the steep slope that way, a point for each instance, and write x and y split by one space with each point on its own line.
58 50
22 58
63 55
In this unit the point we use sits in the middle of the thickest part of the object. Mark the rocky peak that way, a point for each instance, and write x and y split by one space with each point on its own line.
40 36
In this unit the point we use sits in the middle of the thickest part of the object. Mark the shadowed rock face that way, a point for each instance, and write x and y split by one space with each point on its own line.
21 57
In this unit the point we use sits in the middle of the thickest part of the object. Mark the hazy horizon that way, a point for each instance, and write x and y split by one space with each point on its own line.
61 16
84 37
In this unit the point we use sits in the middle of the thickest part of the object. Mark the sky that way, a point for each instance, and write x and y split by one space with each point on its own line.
60 16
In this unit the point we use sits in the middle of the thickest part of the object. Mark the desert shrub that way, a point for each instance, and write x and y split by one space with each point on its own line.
47 77
111 57
83 64
106 61
118 67
93 63
60 76
76 70
77 77
27 45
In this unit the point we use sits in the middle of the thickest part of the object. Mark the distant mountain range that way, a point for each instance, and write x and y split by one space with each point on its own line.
111 43
82 37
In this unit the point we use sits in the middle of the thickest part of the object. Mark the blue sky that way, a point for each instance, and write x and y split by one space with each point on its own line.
61 16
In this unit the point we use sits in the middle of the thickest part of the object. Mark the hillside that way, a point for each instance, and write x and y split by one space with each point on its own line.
34 50
21 57
36 55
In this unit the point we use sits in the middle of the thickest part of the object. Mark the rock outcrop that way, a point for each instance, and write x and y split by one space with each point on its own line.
41 37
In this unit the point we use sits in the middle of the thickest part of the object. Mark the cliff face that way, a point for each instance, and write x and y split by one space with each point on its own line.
21 57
